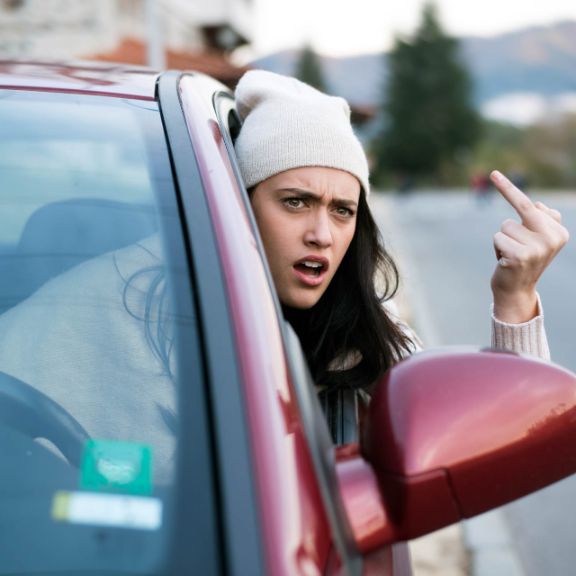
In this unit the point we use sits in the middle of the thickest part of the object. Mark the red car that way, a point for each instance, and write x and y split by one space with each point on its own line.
156 412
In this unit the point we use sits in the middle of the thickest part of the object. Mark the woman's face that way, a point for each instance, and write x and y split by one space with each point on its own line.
307 219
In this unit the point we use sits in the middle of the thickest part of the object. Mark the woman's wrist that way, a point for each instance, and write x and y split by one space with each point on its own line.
516 308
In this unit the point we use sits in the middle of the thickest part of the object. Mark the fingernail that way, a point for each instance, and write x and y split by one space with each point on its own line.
496 175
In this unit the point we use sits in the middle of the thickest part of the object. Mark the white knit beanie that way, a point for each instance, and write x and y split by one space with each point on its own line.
288 124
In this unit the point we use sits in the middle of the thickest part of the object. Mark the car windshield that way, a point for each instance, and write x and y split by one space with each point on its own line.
88 353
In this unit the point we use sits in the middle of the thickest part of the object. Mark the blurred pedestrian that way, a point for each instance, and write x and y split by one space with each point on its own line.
481 186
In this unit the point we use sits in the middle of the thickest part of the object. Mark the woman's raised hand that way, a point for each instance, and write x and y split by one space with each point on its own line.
523 249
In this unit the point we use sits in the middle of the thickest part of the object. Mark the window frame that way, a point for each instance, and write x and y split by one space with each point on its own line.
239 542
314 423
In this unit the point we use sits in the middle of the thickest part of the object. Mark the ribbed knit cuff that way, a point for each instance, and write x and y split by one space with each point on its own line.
525 338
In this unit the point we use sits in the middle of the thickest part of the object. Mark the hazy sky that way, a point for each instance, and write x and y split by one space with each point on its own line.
339 27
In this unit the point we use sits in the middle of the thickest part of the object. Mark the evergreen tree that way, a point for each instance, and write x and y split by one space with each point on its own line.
309 69
429 119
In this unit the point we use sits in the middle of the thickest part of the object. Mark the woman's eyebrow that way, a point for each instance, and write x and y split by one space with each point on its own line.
309 195
345 202
300 191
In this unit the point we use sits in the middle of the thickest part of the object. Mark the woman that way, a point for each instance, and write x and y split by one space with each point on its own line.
307 176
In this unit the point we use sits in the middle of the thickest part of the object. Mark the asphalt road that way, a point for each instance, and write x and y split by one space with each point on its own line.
444 245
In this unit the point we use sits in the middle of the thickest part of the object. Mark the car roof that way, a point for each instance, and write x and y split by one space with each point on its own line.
108 79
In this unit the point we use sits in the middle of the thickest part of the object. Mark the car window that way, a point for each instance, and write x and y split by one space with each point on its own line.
89 334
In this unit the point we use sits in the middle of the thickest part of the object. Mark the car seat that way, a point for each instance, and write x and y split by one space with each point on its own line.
60 235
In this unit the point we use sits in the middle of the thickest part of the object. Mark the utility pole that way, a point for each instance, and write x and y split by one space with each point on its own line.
156 57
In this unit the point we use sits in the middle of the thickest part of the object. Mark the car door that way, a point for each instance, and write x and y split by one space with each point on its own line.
341 549
327 423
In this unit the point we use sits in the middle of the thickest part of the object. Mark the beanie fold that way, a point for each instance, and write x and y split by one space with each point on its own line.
288 124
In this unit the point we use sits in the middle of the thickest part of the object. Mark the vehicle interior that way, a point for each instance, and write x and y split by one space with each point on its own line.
76 185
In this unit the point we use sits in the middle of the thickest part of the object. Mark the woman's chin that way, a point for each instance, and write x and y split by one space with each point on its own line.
300 301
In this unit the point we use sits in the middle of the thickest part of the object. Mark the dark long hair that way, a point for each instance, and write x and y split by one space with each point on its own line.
349 339
145 297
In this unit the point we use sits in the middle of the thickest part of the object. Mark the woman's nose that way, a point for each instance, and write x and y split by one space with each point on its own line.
319 232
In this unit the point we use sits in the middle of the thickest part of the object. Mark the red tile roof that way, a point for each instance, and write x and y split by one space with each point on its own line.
133 51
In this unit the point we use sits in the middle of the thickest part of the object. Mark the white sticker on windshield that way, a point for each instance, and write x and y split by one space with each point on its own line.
115 510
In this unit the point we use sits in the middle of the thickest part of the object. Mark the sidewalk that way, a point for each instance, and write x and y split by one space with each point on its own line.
441 554
478 547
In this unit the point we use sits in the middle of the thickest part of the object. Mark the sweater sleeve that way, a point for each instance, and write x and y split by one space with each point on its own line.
525 338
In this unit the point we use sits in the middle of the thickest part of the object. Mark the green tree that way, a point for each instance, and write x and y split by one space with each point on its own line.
549 152
309 69
429 119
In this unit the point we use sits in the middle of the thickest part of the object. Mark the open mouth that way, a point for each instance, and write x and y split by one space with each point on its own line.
310 268
311 271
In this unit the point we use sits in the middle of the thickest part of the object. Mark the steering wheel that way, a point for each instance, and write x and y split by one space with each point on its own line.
31 412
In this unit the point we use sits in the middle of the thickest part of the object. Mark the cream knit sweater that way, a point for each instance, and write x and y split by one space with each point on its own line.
80 339
527 338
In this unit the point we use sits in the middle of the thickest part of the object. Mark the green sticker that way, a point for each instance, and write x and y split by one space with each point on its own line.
122 467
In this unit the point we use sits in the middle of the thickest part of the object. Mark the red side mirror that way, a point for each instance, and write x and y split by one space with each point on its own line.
452 433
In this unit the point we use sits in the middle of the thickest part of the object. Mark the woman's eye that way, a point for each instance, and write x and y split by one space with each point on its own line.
293 202
346 212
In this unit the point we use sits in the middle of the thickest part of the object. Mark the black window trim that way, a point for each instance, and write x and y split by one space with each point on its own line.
240 530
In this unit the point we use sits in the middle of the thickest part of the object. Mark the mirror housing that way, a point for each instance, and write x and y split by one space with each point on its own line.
451 433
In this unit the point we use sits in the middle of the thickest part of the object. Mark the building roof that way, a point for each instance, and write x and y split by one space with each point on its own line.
215 64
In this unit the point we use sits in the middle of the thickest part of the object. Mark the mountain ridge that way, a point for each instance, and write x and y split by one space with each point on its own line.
538 60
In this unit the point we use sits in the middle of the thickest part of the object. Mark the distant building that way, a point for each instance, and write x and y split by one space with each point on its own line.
195 33
189 25
56 28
